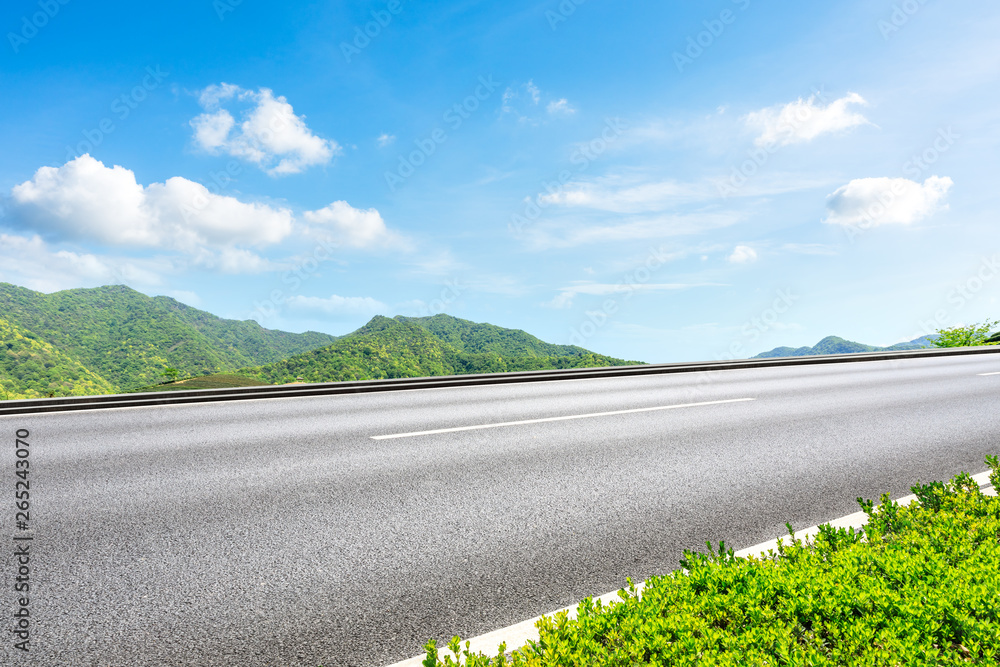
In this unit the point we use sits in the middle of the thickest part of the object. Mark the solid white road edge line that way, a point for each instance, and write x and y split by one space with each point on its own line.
518 635
998 373
555 419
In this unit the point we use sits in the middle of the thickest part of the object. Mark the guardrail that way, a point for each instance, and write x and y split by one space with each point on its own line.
70 403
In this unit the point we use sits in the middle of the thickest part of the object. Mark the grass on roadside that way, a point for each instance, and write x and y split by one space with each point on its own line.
918 585
217 381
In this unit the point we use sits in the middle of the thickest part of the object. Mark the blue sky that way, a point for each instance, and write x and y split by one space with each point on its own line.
658 181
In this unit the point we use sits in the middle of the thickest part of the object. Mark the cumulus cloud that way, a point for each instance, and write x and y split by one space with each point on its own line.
354 227
804 120
339 305
270 135
85 200
29 261
870 202
742 254
385 139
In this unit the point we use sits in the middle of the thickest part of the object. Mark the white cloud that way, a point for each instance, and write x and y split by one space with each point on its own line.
85 200
804 120
212 95
533 91
211 130
566 294
561 106
742 254
339 305
525 99
620 195
809 248
385 139
354 227
566 235
234 261
871 202
270 135
32 263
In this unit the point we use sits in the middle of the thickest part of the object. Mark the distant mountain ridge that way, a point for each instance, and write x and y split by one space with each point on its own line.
113 338
836 345
427 346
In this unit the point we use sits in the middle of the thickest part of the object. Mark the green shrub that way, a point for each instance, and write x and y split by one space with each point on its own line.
966 336
919 585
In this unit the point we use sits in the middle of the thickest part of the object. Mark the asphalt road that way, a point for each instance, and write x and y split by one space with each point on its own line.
279 532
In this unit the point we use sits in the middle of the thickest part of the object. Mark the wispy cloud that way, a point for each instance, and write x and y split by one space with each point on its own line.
803 120
339 306
566 295
523 101
560 107
567 235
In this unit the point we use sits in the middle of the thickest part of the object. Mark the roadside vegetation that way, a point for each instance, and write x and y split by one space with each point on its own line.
918 585
968 335
217 381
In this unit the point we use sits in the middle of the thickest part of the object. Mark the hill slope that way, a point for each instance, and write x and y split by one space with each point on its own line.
31 368
478 338
411 347
835 345
128 338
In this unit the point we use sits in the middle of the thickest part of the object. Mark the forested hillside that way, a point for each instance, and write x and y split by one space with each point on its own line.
420 347
31 368
835 345
124 339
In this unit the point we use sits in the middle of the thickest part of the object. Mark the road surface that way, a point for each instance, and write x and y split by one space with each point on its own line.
294 532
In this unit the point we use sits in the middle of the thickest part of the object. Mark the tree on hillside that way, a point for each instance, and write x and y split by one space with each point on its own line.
171 374
965 336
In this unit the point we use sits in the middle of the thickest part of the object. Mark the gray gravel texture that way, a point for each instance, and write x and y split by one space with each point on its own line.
277 532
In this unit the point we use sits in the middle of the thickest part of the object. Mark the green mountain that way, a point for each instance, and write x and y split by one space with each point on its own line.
124 339
31 368
835 345
422 347
475 338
